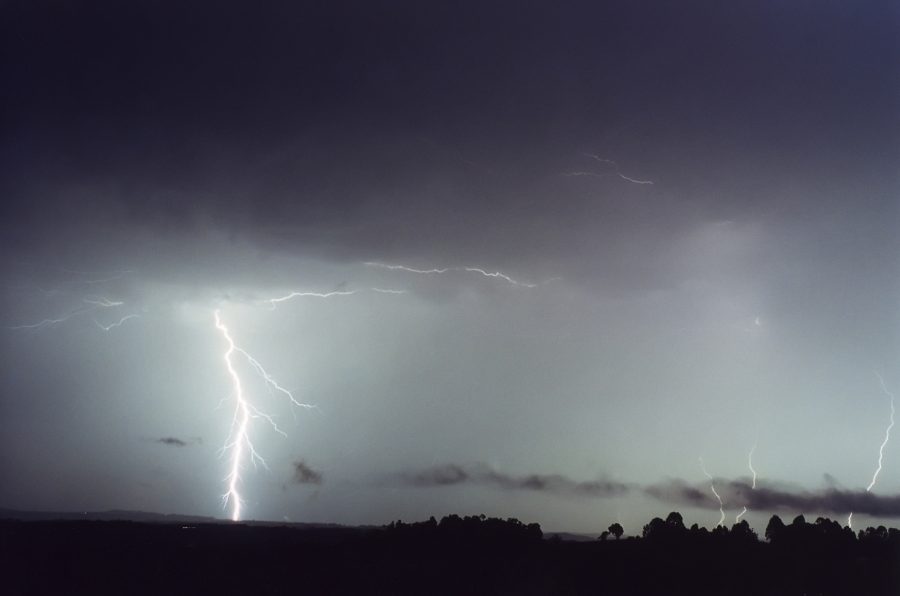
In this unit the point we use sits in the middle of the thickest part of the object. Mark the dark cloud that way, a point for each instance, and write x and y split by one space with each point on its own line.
177 442
479 474
769 498
386 133
303 474
172 442
735 493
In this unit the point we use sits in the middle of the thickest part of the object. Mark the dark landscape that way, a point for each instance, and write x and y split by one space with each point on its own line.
456 555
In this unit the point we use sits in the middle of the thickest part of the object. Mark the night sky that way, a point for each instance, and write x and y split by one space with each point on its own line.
693 206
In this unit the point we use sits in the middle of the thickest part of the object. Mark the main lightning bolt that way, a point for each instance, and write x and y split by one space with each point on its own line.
478 270
239 443
887 437
712 487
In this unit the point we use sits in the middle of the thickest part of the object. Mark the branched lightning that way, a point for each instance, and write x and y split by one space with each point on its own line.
239 441
887 437
712 487
480 271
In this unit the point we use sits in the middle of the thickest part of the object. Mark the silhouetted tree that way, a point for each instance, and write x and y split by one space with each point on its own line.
655 529
775 529
616 530
674 520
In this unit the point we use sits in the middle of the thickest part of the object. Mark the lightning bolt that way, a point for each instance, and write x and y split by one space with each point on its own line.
275 301
752 486
480 271
887 434
239 443
92 304
117 323
614 166
887 437
101 302
712 487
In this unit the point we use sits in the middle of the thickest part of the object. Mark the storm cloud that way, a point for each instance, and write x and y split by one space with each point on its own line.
303 474
162 162
176 442
739 494
735 493
482 475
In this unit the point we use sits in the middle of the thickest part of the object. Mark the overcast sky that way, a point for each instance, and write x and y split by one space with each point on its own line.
694 206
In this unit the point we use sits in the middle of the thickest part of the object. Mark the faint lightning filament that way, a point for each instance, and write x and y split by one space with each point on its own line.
478 270
752 486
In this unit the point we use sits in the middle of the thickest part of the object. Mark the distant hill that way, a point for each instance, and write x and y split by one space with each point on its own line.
112 515
148 517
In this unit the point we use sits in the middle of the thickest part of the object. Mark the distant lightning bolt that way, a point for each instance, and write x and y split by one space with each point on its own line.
887 437
500 275
274 301
712 487
239 442
407 269
753 485
46 322
750 465
101 302
92 303
480 271
117 323
633 180
615 167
